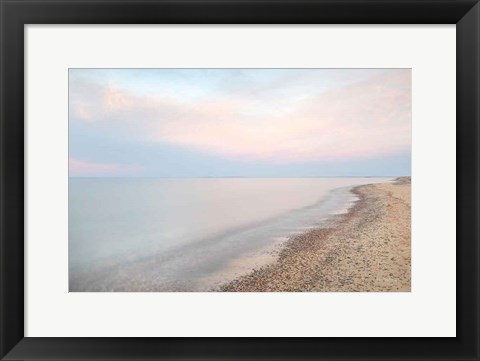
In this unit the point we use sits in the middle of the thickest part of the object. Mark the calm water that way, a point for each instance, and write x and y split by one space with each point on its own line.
189 234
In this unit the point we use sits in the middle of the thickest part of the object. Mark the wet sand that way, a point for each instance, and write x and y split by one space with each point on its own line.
366 250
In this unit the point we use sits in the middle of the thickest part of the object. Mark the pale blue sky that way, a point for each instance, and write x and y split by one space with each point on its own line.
239 122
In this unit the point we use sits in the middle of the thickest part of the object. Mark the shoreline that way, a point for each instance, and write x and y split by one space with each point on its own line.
365 250
269 254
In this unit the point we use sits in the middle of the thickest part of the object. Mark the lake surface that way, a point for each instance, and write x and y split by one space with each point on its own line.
131 234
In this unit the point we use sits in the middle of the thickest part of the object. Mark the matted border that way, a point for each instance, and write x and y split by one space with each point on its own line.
16 13
51 312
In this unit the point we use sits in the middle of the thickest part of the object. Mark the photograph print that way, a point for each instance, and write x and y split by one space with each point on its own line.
239 180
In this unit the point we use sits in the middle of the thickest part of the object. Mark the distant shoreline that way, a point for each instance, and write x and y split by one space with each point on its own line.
366 250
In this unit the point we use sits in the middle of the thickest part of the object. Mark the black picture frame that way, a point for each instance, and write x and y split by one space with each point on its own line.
15 14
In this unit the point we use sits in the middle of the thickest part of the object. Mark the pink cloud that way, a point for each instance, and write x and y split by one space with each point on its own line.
78 168
371 118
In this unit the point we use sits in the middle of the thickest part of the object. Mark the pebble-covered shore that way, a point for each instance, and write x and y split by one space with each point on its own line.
366 250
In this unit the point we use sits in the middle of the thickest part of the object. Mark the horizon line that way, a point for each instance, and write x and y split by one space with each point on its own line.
249 177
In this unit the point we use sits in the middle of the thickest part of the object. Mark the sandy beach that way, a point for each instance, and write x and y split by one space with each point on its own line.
365 250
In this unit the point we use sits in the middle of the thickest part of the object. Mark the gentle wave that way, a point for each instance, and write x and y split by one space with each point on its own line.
189 234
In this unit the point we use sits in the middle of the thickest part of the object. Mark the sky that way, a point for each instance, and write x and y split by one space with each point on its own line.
239 122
